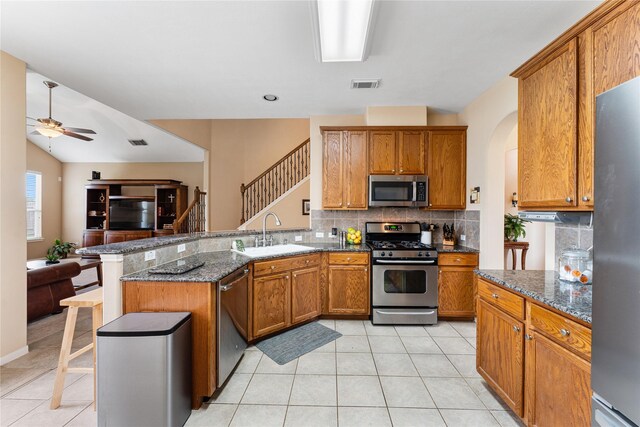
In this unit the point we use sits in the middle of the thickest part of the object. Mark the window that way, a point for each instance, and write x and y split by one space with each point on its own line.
34 205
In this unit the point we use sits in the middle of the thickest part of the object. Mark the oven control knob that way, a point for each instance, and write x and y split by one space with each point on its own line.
419 253
390 254
382 254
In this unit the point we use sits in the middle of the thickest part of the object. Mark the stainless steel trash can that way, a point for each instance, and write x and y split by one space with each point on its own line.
144 370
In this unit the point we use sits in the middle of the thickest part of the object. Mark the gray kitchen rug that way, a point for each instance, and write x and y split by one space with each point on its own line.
292 344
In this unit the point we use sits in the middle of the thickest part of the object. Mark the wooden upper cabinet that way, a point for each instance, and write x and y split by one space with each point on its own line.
616 40
332 172
586 120
355 167
344 171
447 169
411 151
547 132
382 152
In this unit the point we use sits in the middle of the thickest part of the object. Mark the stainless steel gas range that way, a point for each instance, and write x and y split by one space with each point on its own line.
404 275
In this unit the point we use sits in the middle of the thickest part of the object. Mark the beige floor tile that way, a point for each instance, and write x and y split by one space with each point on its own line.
353 344
411 331
329 323
406 392
434 365
327 348
249 362
507 419
259 415
486 395
466 329
252 348
363 417
412 417
317 363
386 344
471 341
441 329
268 366
424 345
380 330
465 364
41 358
355 364
452 393
359 391
311 416
212 416
233 390
350 327
314 390
268 389
463 418
13 378
80 339
451 345
87 418
13 409
399 365
43 416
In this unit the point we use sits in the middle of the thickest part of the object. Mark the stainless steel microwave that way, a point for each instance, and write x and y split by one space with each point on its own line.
398 190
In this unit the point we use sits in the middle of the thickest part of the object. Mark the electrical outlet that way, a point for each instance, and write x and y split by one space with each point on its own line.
298 238
463 237
149 255
182 248
334 231
320 234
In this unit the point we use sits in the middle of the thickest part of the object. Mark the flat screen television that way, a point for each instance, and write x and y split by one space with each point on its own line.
131 214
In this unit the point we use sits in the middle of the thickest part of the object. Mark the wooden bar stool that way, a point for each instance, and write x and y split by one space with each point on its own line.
513 247
91 299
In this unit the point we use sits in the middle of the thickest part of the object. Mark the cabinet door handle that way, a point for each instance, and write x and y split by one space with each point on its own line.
246 270
349 204
495 296
516 328
307 261
430 205
273 267
365 269
295 275
565 332
340 204
585 198
401 170
348 258
286 277
528 337
393 170
568 200
458 260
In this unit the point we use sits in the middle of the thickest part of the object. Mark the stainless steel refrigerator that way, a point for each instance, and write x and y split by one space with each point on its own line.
615 363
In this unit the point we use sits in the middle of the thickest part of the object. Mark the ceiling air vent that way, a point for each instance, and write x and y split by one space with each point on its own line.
365 84
137 142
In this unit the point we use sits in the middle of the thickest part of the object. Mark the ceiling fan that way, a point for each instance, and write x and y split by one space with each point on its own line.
52 128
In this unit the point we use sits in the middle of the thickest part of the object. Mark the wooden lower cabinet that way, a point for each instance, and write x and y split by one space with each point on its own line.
456 285
500 354
305 294
200 300
117 236
348 289
271 302
557 382
92 238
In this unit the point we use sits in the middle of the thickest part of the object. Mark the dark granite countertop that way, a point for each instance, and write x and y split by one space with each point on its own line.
157 242
544 286
219 264
456 248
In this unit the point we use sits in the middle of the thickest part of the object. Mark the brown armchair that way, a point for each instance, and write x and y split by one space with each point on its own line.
47 286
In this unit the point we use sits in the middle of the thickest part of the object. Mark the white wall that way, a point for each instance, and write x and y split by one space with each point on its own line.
13 227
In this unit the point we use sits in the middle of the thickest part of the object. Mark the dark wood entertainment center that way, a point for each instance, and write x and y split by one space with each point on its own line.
169 198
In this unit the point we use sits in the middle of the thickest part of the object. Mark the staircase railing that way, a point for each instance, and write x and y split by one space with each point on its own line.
193 220
275 181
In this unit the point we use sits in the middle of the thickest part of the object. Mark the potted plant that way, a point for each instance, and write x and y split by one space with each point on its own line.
514 227
52 257
62 249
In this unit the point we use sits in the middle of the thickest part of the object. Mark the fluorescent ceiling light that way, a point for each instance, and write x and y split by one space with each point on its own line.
341 29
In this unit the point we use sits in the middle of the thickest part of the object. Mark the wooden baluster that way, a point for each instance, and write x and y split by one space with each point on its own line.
242 190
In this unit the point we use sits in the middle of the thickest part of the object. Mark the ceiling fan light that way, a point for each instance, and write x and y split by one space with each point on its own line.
49 132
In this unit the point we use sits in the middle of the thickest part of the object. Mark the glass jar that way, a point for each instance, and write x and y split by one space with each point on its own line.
575 265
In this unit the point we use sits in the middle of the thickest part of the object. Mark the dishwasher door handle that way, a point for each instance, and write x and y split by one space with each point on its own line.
224 288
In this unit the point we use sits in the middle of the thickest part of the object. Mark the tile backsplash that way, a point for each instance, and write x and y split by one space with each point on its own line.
465 222
570 235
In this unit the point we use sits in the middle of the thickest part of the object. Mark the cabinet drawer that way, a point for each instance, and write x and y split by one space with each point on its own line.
349 258
280 265
560 329
505 300
458 259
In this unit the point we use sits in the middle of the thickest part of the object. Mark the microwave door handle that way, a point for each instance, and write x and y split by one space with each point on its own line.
415 192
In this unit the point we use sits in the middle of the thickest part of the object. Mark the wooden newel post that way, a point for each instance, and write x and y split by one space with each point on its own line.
242 190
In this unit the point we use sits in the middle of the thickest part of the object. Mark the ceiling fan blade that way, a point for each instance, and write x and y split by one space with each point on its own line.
31 118
75 135
79 130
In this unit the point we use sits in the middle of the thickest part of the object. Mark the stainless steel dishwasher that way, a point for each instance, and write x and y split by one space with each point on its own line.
233 320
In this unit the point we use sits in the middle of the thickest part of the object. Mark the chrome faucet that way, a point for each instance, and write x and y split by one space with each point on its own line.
264 226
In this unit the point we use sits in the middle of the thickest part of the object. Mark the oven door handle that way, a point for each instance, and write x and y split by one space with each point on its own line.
380 261
405 312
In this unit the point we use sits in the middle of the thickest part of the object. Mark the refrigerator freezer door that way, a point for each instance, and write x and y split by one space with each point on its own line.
603 416
615 369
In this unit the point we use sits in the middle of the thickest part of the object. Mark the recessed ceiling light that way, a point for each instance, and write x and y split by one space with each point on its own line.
270 98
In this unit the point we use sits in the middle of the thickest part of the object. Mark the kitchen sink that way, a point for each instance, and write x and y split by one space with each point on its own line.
254 252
